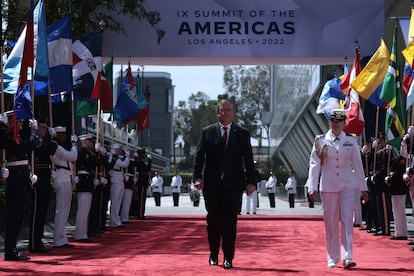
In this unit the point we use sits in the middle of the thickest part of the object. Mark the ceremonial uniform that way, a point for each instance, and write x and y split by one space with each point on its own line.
16 186
156 184
117 185
63 161
271 189
176 183
86 165
144 170
42 189
341 180
130 180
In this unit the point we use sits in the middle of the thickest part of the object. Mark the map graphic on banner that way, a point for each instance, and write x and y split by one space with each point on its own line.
284 32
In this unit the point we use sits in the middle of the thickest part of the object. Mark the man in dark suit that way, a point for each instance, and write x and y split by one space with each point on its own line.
223 168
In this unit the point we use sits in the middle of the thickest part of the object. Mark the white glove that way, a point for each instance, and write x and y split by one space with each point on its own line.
364 149
387 179
4 119
74 138
135 179
126 177
33 123
375 144
75 179
410 130
112 151
388 147
96 181
53 175
4 173
406 137
406 177
33 179
97 147
127 153
103 180
52 132
102 150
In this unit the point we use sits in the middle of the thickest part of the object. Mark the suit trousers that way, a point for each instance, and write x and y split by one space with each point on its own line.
338 207
63 201
126 205
142 199
400 220
222 208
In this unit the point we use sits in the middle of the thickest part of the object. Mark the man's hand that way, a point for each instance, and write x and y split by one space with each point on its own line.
312 196
365 196
250 188
198 184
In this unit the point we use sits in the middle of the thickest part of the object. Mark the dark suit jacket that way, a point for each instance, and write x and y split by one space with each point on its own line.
232 167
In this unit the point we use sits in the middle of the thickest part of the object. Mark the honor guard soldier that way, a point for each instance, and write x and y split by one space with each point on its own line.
42 189
18 182
144 173
117 183
96 220
176 183
63 160
130 180
86 164
335 165
382 190
157 183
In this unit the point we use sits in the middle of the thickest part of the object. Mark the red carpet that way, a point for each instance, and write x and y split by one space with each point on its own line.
177 245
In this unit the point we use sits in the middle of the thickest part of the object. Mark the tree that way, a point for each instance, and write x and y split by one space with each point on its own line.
250 88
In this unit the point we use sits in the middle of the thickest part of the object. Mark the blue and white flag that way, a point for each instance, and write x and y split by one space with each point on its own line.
126 102
12 66
40 48
60 59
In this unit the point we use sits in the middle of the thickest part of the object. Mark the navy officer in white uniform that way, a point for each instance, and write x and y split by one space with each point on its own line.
337 156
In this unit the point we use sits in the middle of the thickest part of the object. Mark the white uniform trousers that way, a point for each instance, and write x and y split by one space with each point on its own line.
126 205
251 199
400 220
117 193
358 209
338 207
82 215
63 191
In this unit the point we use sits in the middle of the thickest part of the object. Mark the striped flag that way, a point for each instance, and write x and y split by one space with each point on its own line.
391 94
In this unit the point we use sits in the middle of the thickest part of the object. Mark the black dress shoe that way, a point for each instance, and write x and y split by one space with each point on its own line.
41 250
411 249
410 243
83 240
213 261
398 238
227 264
379 233
372 230
67 245
15 256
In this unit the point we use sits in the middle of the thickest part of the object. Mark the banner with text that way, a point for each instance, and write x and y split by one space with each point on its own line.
245 31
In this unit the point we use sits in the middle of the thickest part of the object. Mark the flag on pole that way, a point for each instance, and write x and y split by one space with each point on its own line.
330 96
354 117
143 116
12 67
60 59
106 87
126 102
372 76
87 66
408 53
41 76
23 101
391 94
141 100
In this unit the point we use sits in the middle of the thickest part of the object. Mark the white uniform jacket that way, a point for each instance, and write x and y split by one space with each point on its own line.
156 184
291 185
63 160
176 183
271 184
340 163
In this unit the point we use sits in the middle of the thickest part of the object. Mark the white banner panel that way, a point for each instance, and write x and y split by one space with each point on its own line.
198 32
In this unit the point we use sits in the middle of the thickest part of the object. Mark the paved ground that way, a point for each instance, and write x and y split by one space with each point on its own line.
186 208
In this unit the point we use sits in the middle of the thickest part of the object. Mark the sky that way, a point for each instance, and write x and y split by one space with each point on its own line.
192 79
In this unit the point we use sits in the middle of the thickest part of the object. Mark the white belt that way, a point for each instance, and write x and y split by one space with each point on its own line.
83 172
18 163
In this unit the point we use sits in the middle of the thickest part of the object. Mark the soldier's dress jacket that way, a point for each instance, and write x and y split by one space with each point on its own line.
86 165
339 163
